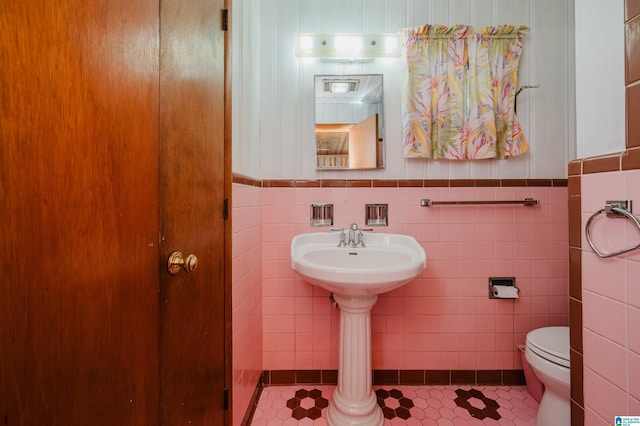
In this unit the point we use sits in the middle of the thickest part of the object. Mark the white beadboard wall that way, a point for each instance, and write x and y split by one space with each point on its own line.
273 105
600 107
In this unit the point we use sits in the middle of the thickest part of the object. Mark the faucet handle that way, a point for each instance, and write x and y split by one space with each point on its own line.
343 239
360 239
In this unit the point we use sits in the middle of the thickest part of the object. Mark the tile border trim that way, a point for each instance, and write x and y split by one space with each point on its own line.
397 183
628 159
399 377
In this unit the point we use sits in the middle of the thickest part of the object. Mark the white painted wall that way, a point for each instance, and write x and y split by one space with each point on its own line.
273 121
245 69
600 85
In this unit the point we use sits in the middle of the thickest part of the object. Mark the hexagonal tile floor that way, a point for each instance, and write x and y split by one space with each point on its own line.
404 405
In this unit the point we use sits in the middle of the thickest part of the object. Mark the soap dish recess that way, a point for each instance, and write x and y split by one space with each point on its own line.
322 214
376 215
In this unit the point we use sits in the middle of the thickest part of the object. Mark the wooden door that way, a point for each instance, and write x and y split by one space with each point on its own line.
78 202
81 261
192 177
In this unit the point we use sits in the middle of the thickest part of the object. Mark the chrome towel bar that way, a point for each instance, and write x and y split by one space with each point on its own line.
425 202
613 209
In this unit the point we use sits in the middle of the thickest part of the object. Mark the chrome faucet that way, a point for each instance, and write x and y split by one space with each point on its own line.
356 238
353 228
343 239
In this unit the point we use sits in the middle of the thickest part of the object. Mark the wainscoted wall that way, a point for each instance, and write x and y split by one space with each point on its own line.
444 319
246 296
604 299
605 293
611 303
441 321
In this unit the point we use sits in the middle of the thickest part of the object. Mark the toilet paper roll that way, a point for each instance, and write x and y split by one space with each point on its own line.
505 292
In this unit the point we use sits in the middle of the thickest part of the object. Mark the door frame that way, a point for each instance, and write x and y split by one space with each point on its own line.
228 180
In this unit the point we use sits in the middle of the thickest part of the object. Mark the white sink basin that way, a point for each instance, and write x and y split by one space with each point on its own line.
388 261
356 276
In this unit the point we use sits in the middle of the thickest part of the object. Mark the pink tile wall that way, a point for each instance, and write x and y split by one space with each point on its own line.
443 319
246 296
611 302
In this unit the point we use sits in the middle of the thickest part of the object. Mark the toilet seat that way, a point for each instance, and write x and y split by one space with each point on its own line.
550 343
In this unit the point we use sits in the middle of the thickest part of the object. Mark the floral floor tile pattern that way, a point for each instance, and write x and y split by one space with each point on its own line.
404 405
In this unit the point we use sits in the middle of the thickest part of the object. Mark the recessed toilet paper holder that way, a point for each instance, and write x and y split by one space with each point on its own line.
503 288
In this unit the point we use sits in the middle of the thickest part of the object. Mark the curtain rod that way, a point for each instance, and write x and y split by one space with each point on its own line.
426 37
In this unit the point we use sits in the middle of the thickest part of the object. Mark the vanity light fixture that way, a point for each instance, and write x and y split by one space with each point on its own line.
347 47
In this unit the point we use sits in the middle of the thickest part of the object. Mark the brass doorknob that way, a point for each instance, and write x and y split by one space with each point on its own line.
177 262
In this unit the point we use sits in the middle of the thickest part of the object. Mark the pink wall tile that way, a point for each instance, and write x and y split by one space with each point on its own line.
280 360
450 361
246 296
558 287
634 371
558 197
603 397
634 405
505 360
280 305
468 360
523 305
604 316
610 300
559 305
412 360
633 319
486 342
302 358
599 187
633 291
324 360
443 319
592 418
605 358
487 360
275 324
279 342
605 277
276 197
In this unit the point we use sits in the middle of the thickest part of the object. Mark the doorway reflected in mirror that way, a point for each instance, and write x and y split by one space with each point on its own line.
349 122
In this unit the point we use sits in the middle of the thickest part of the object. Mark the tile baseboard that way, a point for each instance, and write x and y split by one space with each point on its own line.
399 377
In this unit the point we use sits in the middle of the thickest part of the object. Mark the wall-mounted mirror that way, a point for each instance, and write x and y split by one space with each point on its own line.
349 122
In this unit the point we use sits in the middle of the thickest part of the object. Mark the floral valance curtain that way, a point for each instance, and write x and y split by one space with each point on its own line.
458 93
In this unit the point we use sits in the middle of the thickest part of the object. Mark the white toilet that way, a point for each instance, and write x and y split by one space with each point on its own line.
547 351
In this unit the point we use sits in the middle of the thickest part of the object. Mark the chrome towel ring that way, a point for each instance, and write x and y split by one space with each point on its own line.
611 210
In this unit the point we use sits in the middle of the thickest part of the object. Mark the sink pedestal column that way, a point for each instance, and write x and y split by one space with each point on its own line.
354 401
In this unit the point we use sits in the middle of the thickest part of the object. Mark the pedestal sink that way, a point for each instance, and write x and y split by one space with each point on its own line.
356 275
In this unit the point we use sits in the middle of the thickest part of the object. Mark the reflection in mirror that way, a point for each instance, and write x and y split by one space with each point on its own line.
349 124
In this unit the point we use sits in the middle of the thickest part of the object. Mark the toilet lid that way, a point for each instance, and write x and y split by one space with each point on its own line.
550 343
